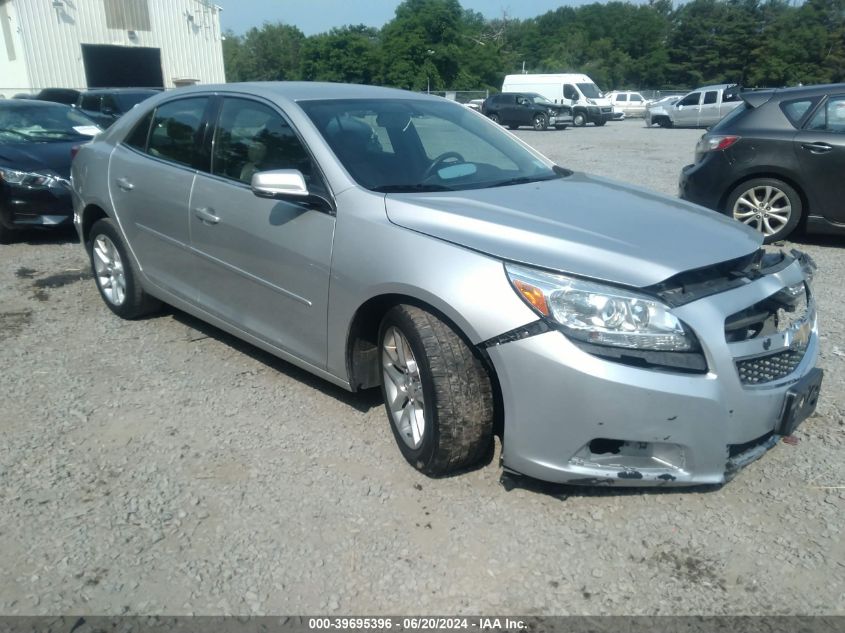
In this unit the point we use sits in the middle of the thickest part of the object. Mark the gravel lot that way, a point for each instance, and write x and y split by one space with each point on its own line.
161 466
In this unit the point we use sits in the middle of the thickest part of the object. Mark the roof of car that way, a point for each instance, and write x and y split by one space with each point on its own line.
92 91
31 103
310 90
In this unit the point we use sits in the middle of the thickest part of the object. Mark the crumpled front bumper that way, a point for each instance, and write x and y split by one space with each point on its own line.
576 418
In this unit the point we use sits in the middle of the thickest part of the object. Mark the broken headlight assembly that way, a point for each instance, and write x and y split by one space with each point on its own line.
608 321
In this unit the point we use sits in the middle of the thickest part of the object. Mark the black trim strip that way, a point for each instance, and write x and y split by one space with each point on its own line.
524 331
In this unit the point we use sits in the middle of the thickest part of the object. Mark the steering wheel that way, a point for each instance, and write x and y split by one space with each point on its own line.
438 162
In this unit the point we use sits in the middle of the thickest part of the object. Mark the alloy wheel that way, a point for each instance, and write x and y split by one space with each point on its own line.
108 267
403 388
765 208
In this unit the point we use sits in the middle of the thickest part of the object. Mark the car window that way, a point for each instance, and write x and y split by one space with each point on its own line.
691 99
90 102
710 96
636 97
138 136
569 92
523 101
433 145
109 104
621 97
830 117
797 109
176 131
731 93
251 137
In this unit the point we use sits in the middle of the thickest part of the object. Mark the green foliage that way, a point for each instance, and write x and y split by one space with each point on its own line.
437 45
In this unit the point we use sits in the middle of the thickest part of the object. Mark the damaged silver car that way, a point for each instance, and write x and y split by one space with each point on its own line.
381 238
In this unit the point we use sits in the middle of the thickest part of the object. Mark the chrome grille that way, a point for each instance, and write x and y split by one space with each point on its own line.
763 369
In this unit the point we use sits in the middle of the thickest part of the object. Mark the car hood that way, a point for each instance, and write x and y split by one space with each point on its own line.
581 224
52 156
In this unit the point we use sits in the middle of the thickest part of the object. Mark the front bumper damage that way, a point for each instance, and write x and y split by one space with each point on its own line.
573 417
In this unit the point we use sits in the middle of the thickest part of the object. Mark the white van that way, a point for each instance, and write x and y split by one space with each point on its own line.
579 92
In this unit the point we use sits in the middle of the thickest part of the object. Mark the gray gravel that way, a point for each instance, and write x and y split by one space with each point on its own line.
161 466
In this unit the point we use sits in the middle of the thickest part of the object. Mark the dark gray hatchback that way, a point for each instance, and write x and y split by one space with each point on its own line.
776 162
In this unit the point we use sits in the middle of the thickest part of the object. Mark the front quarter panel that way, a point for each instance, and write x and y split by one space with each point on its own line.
90 182
373 257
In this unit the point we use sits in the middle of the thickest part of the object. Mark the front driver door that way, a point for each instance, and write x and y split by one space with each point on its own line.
262 265
820 148
686 110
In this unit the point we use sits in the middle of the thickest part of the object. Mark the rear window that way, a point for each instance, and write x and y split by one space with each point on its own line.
797 109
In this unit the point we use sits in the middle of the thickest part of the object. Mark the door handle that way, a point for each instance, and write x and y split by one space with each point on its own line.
817 148
205 214
124 184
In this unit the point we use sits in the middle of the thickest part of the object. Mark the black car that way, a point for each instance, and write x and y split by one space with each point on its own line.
68 96
107 105
36 138
526 108
776 162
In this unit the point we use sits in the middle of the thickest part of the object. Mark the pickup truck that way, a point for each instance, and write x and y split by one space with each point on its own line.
702 107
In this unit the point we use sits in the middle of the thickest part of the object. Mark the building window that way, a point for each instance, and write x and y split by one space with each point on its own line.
128 15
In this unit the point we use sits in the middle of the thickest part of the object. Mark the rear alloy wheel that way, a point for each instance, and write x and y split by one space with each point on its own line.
116 274
540 122
579 119
495 118
437 393
767 205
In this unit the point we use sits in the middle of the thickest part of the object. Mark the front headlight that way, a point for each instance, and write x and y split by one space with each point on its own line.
27 178
599 314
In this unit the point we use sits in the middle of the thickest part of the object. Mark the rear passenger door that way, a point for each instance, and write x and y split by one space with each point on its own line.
820 147
262 265
709 112
150 178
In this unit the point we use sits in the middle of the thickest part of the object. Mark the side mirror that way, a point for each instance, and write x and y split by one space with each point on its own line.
288 184
279 183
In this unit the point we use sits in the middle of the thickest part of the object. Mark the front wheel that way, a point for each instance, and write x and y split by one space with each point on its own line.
540 122
579 119
437 393
494 118
664 122
600 123
768 205
116 274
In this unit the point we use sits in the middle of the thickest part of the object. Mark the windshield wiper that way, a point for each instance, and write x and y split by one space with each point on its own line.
15 132
522 180
414 188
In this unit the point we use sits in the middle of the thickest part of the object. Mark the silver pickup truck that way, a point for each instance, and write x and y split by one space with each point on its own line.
702 107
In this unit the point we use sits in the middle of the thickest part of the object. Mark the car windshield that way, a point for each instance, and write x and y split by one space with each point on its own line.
404 145
539 99
591 91
43 123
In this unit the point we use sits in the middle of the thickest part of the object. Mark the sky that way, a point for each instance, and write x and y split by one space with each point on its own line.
318 16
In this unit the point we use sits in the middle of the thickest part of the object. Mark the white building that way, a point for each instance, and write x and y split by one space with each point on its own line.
108 44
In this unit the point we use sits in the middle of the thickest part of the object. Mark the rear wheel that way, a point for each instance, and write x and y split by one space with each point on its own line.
600 123
579 119
768 205
437 393
116 274
540 122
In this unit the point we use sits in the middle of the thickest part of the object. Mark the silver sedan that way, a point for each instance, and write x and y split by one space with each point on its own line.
381 238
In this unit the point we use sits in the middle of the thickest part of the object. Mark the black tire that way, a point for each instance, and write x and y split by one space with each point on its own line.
600 123
540 122
760 186
512 126
664 122
136 303
458 397
579 119
494 117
